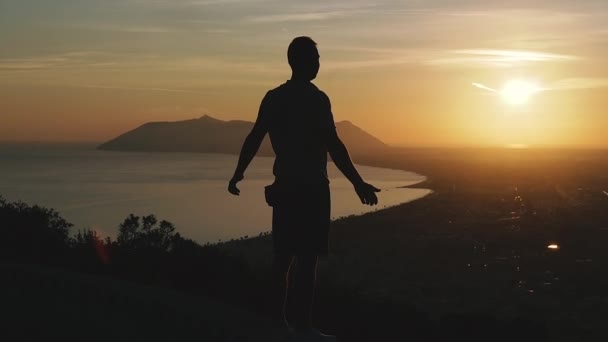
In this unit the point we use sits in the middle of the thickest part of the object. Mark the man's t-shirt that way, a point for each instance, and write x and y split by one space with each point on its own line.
299 121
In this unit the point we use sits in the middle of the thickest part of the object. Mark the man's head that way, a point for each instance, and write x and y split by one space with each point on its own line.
303 58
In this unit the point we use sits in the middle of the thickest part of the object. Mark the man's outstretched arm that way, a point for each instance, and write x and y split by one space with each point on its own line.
250 146
339 154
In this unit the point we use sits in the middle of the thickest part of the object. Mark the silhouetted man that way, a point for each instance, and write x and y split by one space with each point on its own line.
298 118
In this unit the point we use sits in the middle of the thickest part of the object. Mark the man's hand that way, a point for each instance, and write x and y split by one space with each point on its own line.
367 193
232 185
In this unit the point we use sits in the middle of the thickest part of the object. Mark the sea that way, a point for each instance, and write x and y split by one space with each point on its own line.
97 190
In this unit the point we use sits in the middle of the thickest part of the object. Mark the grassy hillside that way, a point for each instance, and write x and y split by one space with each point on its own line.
40 303
473 258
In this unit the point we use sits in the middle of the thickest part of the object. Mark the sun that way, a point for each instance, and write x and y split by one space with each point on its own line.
518 92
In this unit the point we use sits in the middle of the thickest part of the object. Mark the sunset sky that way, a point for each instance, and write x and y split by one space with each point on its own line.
413 73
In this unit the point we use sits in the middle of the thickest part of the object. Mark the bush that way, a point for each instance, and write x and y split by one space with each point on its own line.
32 233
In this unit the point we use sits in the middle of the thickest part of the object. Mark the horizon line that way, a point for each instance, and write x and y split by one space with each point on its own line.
398 146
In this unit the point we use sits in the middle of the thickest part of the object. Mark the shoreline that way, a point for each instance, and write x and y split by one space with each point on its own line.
420 185
266 234
393 180
425 184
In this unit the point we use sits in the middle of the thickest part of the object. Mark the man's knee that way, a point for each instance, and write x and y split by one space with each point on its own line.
307 263
282 263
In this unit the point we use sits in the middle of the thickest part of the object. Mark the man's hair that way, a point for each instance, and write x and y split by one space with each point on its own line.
300 50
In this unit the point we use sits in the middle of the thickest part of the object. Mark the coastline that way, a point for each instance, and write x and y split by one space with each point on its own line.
425 184
422 185
88 169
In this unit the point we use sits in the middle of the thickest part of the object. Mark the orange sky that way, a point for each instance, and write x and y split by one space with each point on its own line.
90 70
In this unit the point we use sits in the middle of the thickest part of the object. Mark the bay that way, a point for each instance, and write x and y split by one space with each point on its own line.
96 189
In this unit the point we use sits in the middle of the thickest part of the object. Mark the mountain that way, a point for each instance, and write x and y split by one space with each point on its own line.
211 135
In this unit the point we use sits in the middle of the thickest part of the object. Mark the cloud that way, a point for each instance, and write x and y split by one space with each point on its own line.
313 11
113 87
56 70
563 84
70 59
29 63
35 63
182 2
497 58
579 83
544 15
311 16
375 57
368 63
516 55
481 86
129 28
359 57
217 64
212 2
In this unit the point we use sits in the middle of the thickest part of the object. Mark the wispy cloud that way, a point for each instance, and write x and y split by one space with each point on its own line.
249 66
563 84
498 58
29 63
129 28
373 57
371 62
532 56
183 2
484 87
217 70
579 83
352 57
312 11
311 16
42 62
70 59
211 2
113 87
545 16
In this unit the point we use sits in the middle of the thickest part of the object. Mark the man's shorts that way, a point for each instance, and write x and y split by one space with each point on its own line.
300 219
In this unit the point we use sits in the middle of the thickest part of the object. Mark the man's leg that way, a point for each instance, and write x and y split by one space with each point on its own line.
300 296
281 273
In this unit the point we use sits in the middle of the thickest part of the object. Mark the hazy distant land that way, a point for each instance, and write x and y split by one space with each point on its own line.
211 135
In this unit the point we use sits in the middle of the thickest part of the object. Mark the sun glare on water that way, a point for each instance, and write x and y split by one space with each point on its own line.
518 92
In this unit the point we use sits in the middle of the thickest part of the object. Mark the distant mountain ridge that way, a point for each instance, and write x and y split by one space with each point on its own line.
211 135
